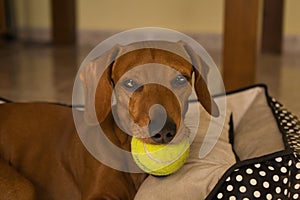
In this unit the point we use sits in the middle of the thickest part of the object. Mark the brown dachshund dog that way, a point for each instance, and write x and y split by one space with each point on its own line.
41 155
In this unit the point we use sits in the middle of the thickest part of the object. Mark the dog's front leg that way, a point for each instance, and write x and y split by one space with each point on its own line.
107 183
14 186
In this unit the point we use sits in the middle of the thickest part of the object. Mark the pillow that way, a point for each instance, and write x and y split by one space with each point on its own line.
198 176
257 133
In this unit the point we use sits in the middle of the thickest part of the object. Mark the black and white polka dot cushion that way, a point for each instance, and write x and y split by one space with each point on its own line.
290 125
270 177
274 176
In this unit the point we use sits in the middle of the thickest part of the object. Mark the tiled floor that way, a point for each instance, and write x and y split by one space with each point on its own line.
41 72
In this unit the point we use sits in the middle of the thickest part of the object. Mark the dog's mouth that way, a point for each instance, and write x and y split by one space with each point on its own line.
162 135
169 134
160 126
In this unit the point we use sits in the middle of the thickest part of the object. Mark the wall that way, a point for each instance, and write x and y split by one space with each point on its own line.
33 13
113 15
190 16
291 18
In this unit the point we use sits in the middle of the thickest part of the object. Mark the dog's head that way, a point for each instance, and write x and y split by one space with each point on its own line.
151 88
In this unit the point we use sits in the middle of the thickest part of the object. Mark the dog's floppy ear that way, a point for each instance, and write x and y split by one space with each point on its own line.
200 82
204 96
96 79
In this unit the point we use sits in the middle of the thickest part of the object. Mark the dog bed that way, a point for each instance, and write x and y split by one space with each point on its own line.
256 157
269 166
264 139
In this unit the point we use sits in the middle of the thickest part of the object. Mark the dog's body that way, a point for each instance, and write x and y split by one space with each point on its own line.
41 150
40 142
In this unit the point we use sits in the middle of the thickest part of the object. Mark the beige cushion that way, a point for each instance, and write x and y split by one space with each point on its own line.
198 176
257 133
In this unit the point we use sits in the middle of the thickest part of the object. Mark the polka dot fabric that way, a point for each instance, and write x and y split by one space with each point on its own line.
289 124
274 176
267 178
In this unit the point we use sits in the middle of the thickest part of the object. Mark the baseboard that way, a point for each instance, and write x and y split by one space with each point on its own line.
212 41
34 35
93 37
291 44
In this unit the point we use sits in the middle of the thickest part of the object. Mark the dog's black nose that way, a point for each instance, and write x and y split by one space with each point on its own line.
165 135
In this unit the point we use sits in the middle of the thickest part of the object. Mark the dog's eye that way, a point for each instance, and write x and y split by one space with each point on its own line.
130 84
179 81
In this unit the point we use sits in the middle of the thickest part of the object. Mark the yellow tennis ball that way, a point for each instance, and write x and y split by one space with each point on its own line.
159 159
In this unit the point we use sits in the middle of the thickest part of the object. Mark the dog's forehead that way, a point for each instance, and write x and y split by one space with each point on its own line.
144 56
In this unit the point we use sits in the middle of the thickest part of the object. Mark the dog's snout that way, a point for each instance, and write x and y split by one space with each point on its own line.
165 135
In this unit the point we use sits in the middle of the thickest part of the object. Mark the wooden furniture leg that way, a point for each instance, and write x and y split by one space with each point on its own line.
63 21
2 17
272 30
240 43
